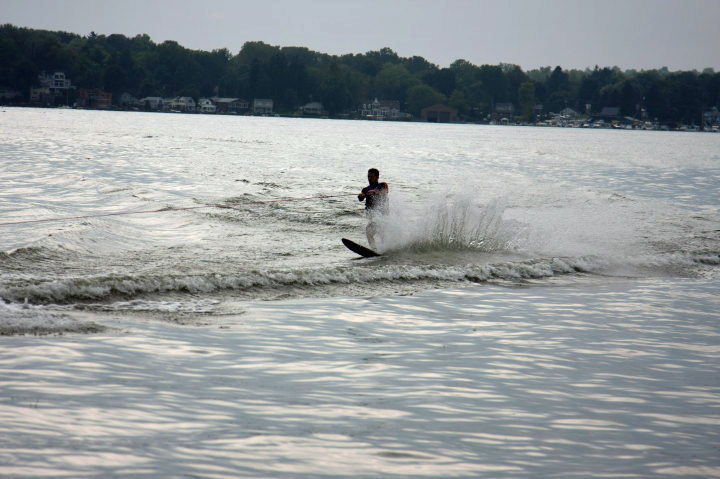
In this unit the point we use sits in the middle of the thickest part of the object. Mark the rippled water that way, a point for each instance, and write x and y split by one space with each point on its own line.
470 203
546 304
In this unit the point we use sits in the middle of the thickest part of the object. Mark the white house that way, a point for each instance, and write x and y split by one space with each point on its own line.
312 108
51 86
56 81
205 105
153 102
381 110
182 103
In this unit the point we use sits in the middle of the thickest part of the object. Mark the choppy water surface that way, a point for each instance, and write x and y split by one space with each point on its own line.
469 203
546 304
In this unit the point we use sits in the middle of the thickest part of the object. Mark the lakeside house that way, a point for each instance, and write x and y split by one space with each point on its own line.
52 86
382 110
55 90
314 108
154 103
236 106
503 112
182 103
438 113
262 106
127 100
93 98
56 81
206 105
569 113
187 104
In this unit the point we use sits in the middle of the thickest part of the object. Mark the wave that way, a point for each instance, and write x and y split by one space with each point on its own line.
18 319
103 287
27 252
20 258
372 274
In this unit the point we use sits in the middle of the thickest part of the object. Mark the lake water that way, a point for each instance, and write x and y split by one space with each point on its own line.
547 303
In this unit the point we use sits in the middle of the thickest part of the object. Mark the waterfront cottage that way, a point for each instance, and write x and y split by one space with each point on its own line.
205 105
438 113
182 103
381 110
313 108
231 105
152 103
93 98
262 106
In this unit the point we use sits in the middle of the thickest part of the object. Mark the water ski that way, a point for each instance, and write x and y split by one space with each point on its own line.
359 249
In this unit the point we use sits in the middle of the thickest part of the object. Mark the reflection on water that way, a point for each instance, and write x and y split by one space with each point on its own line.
605 380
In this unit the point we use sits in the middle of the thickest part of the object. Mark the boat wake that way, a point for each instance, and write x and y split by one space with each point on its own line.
370 277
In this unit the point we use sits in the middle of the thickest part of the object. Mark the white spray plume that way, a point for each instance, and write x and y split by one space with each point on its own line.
449 222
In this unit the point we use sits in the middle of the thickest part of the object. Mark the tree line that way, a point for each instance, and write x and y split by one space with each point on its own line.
293 76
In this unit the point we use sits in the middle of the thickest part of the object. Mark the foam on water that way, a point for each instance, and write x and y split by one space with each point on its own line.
445 223
18 318
62 290
373 275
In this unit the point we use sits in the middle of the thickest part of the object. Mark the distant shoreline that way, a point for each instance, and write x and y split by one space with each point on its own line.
580 123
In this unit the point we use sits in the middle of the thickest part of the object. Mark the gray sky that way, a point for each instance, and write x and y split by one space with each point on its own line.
639 34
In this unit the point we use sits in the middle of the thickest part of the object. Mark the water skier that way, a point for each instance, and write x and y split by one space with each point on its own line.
375 195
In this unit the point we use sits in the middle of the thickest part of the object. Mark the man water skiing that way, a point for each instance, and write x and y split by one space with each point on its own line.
376 203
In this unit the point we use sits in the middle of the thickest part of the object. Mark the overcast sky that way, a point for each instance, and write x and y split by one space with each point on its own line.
630 34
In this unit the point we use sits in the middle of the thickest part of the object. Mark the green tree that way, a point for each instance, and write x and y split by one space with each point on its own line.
115 80
514 77
526 97
334 91
465 73
420 96
473 90
710 85
335 95
259 51
442 80
494 84
559 94
290 100
558 81
418 66
607 96
630 98
685 98
393 82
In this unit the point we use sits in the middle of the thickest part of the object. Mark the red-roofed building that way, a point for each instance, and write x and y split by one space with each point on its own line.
438 113
93 98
